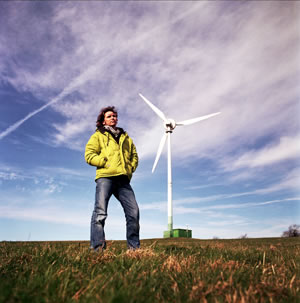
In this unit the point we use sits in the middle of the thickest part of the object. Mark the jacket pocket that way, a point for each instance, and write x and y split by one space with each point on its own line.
107 164
102 162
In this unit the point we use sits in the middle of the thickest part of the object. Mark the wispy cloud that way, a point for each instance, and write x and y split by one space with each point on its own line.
94 70
288 148
252 204
38 172
289 182
181 206
53 215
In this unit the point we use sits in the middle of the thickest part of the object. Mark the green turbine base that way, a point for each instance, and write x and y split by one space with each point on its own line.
178 233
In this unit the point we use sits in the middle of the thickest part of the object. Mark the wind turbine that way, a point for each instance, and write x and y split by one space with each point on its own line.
170 125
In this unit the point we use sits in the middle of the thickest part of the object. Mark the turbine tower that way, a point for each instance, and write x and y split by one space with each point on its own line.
170 125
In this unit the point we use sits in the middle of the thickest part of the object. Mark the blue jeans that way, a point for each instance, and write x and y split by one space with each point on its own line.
119 187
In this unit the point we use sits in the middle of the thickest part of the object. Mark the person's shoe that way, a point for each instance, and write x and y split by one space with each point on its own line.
131 248
98 249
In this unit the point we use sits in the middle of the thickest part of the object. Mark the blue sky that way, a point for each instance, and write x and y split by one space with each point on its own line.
234 174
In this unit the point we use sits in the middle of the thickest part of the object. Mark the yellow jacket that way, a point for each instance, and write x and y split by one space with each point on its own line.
111 158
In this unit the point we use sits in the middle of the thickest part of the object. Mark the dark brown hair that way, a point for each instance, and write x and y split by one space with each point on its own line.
104 110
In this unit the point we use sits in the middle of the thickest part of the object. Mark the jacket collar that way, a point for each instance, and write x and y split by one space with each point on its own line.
103 130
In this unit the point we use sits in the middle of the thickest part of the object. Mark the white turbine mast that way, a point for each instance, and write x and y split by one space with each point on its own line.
170 125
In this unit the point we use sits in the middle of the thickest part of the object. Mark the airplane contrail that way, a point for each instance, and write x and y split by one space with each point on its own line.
86 75
76 82
20 122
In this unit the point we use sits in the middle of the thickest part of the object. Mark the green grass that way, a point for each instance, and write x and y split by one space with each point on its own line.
163 270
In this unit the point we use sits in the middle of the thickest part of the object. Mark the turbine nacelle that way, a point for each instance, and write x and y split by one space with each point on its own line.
169 125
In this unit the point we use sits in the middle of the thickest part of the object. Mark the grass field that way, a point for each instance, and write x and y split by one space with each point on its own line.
163 270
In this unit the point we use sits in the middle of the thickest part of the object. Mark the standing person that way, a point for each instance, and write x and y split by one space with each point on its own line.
112 151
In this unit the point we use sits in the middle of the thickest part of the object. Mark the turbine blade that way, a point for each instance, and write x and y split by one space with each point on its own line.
154 108
160 148
191 121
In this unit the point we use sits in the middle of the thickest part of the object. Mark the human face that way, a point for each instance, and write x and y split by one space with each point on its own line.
110 119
